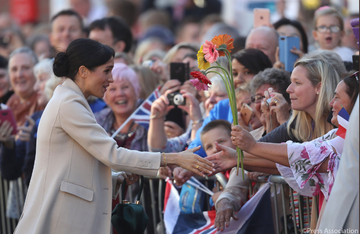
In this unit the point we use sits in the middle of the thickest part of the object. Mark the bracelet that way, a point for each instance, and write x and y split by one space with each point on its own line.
198 121
164 157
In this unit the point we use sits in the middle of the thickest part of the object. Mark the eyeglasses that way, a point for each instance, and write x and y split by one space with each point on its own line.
257 98
332 28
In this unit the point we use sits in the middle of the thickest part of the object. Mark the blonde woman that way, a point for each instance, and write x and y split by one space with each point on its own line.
313 82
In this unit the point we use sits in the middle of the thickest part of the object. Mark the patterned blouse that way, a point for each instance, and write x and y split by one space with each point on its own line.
306 158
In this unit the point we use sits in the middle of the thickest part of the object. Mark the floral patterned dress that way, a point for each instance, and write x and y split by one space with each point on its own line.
306 158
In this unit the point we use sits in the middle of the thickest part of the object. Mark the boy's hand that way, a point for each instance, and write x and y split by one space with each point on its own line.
225 159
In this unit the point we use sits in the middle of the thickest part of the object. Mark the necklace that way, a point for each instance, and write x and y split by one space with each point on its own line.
124 136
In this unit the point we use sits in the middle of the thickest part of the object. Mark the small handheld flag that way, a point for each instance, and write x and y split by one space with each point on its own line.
142 114
343 120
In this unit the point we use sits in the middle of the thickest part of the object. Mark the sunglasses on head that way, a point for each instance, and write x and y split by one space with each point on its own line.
356 76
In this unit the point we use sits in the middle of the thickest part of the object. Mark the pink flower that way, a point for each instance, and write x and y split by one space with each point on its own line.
201 82
198 84
304 154
317 189
211 54
323 149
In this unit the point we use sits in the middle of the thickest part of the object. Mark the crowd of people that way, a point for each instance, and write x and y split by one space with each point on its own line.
73 86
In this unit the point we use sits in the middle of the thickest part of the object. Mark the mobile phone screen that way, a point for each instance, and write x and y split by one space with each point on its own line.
179 71
7 115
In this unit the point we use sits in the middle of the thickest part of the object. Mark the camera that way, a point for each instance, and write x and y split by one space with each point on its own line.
176 99
268 101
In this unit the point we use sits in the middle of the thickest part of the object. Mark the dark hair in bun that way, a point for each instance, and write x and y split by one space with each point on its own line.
60 65
81 52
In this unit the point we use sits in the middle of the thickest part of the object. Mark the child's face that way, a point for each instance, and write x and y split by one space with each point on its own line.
327 40
218 134
241 98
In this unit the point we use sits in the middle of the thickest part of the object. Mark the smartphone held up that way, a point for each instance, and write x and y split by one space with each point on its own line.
261 17
246 113
285 55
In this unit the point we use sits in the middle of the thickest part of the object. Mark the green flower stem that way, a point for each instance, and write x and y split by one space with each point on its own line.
235 116
228 79
226 83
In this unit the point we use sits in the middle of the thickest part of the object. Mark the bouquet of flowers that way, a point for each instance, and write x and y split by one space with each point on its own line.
219 46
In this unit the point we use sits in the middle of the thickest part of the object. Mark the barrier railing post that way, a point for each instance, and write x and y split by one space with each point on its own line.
283 206
301 209
2 206
276 210
161 198
293 209
308 210
153 203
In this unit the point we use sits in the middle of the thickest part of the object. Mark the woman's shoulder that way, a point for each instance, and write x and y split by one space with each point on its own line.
279 135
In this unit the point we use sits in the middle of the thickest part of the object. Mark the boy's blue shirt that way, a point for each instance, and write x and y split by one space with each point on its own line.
221 110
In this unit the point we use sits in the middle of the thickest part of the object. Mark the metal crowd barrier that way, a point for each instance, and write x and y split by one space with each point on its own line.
303 209
282 203
219 178
7 225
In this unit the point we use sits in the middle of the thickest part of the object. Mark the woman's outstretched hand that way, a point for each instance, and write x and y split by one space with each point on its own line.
192 162
223 160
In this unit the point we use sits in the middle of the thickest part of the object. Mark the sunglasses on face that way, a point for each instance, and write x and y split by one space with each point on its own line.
332 28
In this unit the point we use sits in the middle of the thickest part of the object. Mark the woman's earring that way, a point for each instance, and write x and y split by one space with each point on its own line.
317 93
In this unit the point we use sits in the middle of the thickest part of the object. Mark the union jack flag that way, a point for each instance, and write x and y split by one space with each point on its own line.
142 114
255 216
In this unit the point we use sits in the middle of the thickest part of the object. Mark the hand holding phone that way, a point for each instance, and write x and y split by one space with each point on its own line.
246 113
6 116
285 55
261 17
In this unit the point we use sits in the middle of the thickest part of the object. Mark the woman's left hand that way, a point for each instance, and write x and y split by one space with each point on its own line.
192 162
242 138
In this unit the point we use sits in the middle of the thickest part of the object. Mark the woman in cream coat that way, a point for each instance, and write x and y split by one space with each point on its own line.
70 190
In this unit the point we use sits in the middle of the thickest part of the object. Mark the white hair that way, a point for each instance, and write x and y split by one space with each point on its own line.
44 66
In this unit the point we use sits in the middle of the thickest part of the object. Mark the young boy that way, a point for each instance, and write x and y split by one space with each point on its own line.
219 131
216 130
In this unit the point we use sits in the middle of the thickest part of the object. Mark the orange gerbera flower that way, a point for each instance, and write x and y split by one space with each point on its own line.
223 42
